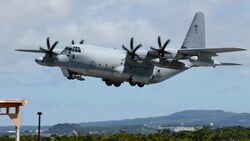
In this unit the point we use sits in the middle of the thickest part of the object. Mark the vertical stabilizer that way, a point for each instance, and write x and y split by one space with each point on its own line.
195 37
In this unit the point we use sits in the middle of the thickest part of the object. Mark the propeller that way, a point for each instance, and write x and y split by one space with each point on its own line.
161 50
132 50
73 42
49 51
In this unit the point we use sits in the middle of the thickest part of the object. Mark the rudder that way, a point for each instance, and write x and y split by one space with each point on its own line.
195 37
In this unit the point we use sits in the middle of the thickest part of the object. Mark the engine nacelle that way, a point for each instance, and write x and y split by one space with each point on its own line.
203 61
168 63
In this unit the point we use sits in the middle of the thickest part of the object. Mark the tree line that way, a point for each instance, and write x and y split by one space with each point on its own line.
204 134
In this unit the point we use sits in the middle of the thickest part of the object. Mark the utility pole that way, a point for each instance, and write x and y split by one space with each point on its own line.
39 125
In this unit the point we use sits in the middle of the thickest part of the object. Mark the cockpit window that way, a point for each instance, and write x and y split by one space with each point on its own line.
70 49
76 49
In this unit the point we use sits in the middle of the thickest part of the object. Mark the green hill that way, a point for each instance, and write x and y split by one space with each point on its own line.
189 118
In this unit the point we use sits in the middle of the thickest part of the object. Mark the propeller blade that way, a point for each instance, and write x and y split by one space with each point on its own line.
159 42
132 51
44 50
137 47
48 43
161 51
49 52
55 53
154 49
132 43
125 48
166 43
53 46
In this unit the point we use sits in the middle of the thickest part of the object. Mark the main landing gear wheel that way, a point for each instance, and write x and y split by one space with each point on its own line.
140 84
132 83
108 83
117 84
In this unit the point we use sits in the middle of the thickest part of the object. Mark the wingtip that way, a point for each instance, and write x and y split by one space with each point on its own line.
18 49
230 64
240 48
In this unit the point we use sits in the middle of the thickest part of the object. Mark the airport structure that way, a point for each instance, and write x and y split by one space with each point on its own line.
12 109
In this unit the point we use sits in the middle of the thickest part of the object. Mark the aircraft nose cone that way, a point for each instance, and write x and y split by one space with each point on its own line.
39 60
62 58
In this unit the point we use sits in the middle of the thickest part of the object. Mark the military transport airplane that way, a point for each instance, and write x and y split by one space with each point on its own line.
138 67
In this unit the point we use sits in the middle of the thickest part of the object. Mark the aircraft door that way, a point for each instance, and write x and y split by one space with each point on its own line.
74 58
73 55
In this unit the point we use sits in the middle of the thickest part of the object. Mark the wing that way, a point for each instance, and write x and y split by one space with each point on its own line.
57 51
209 52
229 64
30 50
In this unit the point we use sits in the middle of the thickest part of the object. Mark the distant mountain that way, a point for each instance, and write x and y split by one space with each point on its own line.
149 125
188 118
65 128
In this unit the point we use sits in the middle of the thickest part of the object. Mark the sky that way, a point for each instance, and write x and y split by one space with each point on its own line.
111 23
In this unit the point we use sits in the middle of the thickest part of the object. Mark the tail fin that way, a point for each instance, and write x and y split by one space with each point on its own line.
195 37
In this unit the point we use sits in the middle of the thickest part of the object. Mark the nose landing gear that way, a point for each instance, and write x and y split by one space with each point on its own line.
73 76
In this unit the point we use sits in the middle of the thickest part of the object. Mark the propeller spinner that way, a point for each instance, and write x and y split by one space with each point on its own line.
132 50
161 50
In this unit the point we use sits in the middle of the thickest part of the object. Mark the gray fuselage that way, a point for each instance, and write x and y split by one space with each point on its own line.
111 64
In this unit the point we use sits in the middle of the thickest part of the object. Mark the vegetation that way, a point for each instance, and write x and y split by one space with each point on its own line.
204 134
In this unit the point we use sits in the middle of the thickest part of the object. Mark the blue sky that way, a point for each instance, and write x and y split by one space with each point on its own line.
110 23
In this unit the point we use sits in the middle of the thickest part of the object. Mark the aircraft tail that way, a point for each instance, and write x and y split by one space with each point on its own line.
195 37
193 47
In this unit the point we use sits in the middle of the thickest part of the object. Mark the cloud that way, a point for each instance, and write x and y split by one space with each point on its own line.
111 23
21 66
28 11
